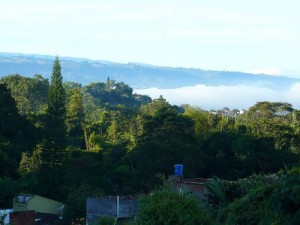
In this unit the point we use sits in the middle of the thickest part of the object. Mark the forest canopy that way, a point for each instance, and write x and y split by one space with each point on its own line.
103 139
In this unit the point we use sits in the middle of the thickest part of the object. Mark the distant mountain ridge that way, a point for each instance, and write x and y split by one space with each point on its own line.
136 75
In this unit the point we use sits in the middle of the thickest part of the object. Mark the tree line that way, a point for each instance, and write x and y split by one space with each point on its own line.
102 139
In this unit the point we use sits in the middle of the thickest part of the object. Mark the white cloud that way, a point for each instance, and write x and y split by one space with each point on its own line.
293 94
217 97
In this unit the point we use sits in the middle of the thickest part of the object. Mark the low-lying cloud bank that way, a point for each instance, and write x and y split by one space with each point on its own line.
217 97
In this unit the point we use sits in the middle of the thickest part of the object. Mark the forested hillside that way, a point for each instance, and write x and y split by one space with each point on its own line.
101 139
137 75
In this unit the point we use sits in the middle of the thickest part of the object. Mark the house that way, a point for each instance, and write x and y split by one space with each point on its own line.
27 202
127 206
195 186
37 208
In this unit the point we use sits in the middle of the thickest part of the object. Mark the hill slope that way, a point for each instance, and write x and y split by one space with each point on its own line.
136 75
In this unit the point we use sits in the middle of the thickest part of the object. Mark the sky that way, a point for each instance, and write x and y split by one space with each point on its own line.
257 36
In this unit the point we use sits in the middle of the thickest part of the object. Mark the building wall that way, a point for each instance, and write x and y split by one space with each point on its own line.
195 186
108 207
19 206
128 207
22 218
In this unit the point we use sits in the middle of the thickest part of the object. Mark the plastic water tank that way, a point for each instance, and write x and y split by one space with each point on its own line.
178 169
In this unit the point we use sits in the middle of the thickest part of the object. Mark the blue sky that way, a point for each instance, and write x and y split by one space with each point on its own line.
260 36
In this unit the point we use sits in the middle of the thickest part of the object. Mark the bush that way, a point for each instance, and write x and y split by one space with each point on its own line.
284 203
169 207
275 203
106 221
250 209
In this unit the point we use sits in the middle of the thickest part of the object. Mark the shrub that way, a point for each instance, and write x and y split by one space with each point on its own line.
168 207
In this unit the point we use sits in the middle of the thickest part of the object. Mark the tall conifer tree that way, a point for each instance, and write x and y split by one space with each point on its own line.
55 127
53 148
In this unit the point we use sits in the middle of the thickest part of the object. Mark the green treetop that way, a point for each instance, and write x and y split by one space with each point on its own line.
53 148
55 125
56 95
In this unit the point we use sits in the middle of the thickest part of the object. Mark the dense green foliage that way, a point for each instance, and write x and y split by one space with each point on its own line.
30 93
102 139
168 207
15 134
273 202
258 199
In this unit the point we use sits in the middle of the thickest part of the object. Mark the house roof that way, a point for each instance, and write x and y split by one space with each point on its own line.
24 197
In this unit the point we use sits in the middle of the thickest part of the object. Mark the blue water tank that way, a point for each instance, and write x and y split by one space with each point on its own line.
178 169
